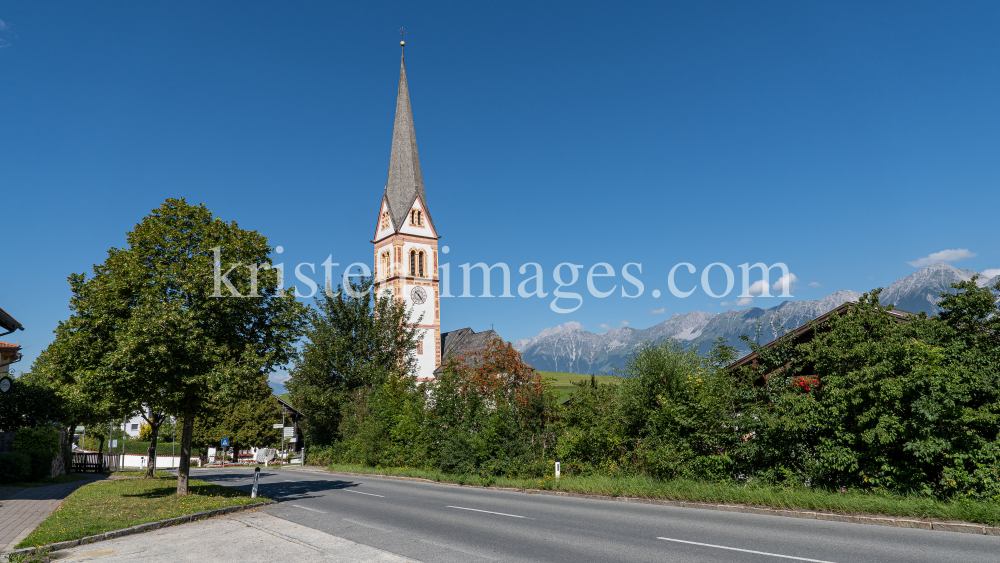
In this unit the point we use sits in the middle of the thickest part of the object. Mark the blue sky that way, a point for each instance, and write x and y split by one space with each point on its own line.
844 139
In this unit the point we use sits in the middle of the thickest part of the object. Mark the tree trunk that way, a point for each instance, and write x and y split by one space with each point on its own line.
185 466
154 424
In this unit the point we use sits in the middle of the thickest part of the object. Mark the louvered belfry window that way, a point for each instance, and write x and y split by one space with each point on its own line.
420 258
413 262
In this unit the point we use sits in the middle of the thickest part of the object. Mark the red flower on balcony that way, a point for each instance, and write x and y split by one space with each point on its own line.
805 382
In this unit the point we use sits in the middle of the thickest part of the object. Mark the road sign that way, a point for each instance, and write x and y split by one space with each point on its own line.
289 431
292 439
278 425
114 444
225 442
80 429
5 384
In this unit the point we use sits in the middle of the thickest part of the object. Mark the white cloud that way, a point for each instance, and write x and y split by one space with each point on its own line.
662 311
572 325
992 273
814 284
605 326
278 378
790 280
757 287
724 303
623 325
744 301
952 255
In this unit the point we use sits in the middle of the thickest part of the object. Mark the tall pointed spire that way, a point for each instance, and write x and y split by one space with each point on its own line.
405 180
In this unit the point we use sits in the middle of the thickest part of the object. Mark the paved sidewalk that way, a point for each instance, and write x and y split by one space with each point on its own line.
244 536
22 512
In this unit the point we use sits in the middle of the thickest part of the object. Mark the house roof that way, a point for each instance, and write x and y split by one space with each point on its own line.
8 346
285 403
8 322
803 332
405 182
462 341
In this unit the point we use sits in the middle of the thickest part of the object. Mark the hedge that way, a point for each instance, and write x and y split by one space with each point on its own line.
15 467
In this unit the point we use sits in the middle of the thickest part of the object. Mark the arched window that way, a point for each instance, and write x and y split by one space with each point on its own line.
413 262
420 258
420 218
385 264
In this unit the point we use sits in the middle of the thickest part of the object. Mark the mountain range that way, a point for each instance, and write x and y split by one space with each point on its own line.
569 348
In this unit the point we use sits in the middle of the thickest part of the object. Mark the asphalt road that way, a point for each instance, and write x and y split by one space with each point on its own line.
441 523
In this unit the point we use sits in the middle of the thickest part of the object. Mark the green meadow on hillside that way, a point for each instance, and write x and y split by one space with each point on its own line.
562 382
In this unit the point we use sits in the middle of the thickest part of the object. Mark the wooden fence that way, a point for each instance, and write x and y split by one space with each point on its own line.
96 463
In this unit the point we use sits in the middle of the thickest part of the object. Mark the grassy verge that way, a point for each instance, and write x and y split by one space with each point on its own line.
850 502
112 505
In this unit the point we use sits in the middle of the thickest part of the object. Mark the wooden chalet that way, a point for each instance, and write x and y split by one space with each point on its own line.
806 332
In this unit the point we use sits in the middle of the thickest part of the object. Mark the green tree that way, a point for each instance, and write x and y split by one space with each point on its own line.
62 368
29 404
355 339
246 423
164 328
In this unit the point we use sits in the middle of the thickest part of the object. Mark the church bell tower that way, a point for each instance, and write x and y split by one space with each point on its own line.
406 247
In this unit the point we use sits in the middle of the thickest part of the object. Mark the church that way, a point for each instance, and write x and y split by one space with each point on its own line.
406 247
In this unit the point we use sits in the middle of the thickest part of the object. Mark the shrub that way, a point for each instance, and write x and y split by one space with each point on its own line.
14 467
320 455
40 464
42 438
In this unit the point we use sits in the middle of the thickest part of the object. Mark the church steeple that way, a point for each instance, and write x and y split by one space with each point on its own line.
405 182
406 242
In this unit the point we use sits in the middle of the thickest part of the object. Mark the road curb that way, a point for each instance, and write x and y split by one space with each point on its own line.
137 529
867 519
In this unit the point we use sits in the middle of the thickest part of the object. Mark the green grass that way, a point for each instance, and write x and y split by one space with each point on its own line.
112 505
44 481
562 382
850 502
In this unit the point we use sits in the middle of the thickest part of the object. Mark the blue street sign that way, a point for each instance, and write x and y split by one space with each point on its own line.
225 442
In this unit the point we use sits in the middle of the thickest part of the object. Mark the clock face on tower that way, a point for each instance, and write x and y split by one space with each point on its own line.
418 295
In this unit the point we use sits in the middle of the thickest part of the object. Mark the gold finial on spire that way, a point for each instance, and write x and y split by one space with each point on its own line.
402 32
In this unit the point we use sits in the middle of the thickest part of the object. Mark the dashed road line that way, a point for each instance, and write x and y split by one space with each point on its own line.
360 493
746 550
490 512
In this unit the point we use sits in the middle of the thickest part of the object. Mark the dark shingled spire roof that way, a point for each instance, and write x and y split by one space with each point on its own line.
405 182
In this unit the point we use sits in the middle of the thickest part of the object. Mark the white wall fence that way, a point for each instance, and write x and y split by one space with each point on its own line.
138 461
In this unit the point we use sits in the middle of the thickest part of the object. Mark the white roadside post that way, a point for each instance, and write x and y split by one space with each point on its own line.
557 468
256 479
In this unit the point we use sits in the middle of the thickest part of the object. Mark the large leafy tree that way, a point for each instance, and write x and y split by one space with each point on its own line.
55 390
248 422
163 322
357 338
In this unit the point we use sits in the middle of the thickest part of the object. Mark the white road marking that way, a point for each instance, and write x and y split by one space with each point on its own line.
307 508
489 512
360 493
746 550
